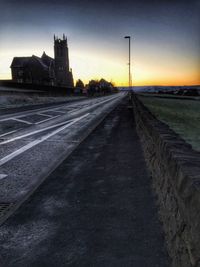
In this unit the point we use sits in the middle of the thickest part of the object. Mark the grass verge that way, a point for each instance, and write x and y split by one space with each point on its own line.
183 116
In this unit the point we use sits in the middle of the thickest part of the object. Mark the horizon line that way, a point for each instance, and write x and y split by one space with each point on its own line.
126 86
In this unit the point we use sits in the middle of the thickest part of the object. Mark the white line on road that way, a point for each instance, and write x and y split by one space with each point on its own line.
58 111
45 115
8 133
70 112
15 119
28 113
47 119
2 176
56 125
34 132
47 109
96 104
36 142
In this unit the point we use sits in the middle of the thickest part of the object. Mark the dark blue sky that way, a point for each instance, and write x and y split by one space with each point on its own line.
165 44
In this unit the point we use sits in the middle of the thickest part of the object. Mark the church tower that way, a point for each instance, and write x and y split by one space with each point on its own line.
63 74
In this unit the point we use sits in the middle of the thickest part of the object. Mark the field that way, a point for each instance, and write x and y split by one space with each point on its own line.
170 96
183 116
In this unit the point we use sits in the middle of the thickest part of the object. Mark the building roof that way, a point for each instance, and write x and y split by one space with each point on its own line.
39 60
47 60
19 62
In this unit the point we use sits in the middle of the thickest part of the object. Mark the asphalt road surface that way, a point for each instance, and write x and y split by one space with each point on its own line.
96 209
11 110
34 142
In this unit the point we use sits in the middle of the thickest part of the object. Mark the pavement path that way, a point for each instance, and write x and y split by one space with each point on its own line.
96 209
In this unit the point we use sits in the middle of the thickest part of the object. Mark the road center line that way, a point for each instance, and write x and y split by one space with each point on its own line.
36 142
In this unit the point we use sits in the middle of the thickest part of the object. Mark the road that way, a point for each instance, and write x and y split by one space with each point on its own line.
96 209
33 142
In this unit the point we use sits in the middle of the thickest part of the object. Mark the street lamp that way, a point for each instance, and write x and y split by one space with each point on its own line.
129 39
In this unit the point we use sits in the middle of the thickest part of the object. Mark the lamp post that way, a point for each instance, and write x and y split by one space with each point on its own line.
129 63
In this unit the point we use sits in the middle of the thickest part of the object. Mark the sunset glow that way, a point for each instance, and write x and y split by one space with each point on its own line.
165 50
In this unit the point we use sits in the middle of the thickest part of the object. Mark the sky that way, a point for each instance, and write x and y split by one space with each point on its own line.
165 38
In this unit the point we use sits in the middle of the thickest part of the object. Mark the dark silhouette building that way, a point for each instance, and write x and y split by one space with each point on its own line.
45 70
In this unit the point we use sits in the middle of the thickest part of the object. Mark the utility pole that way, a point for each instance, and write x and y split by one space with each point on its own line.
129 63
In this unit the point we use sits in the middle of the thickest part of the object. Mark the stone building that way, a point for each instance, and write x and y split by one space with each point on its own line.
45 70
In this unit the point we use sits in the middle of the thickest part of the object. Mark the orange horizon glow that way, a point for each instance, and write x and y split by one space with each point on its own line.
164 39
159 71
125 84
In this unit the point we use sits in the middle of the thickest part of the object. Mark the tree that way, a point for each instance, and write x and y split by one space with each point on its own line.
100 87
93 87
105 86
79 84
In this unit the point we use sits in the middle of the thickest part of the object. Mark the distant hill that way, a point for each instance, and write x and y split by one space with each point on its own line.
193 90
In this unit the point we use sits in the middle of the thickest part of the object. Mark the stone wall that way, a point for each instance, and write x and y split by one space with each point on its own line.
175 170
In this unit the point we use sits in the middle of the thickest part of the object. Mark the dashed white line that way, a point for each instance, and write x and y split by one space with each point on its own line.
36 142
15 119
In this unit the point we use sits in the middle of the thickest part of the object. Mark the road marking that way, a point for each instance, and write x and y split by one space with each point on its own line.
59 111
71 111
36 142
46 109
30 112
44 115
47 119
2 176
63 112
93 105
34 132
56 125
8 133
27 122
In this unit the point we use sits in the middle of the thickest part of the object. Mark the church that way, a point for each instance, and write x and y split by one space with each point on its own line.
45 70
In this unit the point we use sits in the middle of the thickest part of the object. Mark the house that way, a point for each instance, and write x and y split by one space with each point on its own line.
45 70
